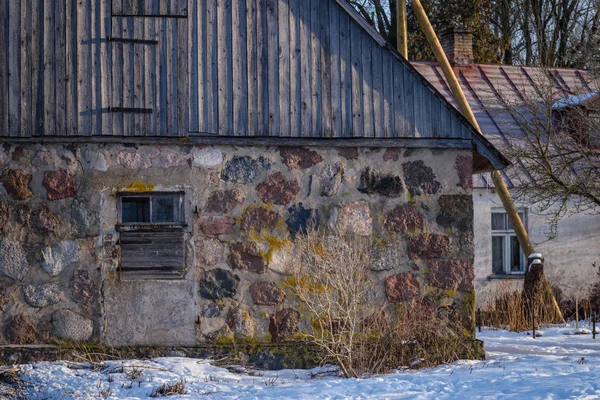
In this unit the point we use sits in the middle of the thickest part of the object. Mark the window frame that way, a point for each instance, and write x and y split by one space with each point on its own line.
508 234
133 226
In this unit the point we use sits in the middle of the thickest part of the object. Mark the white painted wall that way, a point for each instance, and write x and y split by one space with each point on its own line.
568 257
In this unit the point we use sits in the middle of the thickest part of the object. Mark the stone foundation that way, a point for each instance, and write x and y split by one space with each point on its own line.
60 251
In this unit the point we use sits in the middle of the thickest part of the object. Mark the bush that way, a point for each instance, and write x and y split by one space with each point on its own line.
352 322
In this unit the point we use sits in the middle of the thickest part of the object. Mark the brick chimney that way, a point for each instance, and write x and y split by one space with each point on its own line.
458 46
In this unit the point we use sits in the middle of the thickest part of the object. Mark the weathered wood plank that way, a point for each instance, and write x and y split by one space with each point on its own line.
105 68
171 77
211 94
26 63
273 66
283 16
150 78
71 50
262 73
14 68
117 7
345 77
399 102
315 68
335 75
240 68
378 92
128 76
117 65
357 83
182 78
193 51
96 72
295 69
161 76
4 46
138 77
84 66
252 68
367 69
388 94
326 114
305 68
224 66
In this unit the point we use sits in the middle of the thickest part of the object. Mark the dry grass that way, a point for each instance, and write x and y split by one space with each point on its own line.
510 309
170 389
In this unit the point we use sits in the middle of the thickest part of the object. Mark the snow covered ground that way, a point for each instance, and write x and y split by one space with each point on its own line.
554 366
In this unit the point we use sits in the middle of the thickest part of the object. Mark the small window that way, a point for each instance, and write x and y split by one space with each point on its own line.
150 8
152 209
152 234
507 256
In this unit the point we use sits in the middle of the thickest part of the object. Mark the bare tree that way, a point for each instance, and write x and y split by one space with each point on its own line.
556 143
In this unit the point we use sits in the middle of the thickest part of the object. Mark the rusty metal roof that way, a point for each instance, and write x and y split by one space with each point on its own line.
488 86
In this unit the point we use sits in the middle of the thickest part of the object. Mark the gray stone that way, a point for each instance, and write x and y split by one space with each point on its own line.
266 359
20 330
41 295
169 159
302 220
210 311
69 325
83 289
86 221
243 169
390 256
241 323
456 212
211 251
387 185
6 290
331 179
283 324
420 179
218 283
13 262
356 218
56 258
207 157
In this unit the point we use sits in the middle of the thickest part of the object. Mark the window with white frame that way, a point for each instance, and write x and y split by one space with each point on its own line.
507 257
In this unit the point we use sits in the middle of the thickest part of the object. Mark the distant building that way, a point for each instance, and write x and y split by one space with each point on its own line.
499 262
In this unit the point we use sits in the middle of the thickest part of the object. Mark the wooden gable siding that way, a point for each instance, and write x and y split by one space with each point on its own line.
289 68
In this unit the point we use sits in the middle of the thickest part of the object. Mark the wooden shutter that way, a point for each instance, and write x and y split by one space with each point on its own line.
153 252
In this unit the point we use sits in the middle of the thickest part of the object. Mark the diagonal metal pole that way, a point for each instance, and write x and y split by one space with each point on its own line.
467 112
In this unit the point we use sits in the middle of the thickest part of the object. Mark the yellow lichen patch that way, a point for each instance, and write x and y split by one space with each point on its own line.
305 283
380 242
138 186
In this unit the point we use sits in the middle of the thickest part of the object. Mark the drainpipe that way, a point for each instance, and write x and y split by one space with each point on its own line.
401 34
467 112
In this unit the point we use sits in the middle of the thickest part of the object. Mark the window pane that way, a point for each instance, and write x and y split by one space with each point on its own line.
498 254
510 225
165 208
498 221
516 261
135 209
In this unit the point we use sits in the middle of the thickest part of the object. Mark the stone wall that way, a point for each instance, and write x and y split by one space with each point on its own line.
59 247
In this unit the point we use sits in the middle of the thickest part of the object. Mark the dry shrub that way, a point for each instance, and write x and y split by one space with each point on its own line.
352 322
169 389
511 309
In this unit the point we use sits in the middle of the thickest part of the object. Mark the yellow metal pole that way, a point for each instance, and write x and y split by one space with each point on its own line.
401 34
466 110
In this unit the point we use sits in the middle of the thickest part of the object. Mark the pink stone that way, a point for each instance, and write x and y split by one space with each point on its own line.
213 226
401 287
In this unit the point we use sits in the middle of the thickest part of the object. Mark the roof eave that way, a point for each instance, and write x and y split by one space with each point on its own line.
486 157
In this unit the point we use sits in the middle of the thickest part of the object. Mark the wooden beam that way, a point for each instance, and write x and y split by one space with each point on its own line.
401 31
